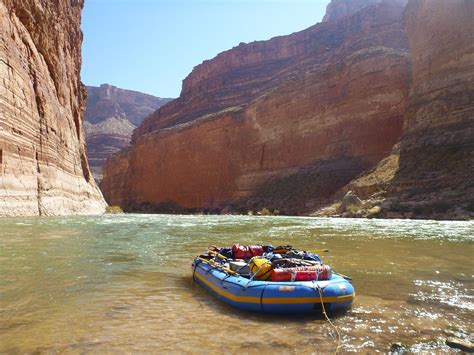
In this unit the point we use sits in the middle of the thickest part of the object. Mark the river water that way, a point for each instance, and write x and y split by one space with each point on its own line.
123 283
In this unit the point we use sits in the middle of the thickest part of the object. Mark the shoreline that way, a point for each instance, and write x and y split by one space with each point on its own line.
199 212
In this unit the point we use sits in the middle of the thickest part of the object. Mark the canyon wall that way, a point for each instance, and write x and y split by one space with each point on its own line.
241 74
429 173
437 148
43 164
282 123
110 118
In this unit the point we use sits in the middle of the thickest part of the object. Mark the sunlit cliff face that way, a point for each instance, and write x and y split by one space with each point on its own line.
44 166
287 116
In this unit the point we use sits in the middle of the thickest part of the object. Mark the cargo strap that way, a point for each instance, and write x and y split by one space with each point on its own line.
347 278
256 273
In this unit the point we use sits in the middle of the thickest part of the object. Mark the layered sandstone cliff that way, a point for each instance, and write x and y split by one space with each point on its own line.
110 118
282 123
430 174
437 148
43 164
243 73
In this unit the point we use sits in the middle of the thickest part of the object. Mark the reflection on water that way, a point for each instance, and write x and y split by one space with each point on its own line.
123 282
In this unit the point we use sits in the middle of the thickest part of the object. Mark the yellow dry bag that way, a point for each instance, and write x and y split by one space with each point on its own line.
261 268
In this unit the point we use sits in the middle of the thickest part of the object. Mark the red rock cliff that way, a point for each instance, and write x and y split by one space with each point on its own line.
429 175
243 73
43 164
281 123
437 148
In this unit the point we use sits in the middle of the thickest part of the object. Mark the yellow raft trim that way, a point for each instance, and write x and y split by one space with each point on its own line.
279 300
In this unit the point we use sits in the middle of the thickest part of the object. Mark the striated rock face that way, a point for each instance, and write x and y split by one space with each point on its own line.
43 164
245 72
430 174
109 101
110 118
104 139
282 123
437 148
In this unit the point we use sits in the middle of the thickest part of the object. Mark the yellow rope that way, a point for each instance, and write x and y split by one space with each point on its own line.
216 254
329 320
218 266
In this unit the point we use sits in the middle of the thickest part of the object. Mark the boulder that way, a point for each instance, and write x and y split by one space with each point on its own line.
349 199
374 212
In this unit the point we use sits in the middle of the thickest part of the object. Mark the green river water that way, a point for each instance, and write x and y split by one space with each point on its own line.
123 283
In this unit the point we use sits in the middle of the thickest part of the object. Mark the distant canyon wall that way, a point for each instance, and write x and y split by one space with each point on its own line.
338 9
43 163
241 74
110 118
282 123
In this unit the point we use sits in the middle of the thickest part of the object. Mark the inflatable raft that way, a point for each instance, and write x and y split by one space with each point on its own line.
320 291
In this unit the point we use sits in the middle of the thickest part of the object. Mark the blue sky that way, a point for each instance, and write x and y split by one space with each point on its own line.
152 45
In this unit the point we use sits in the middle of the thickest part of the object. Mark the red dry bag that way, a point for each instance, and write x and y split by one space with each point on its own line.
246 252
320 272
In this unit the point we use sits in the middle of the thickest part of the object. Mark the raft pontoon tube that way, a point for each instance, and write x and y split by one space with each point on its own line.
246 293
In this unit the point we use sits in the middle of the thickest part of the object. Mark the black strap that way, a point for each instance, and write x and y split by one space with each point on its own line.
194 269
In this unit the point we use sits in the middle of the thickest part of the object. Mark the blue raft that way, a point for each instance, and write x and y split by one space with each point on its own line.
337 293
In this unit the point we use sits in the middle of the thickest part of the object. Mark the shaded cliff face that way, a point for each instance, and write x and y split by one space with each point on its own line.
430 174
281 123
437 148
110 118
43 164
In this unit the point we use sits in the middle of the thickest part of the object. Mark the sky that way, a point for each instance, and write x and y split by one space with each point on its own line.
152 45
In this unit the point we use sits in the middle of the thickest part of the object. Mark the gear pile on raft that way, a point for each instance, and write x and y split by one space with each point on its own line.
271 279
